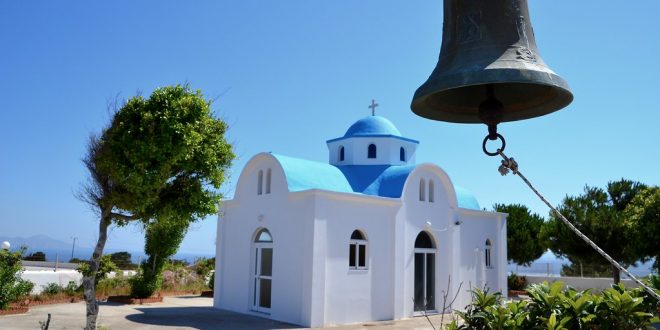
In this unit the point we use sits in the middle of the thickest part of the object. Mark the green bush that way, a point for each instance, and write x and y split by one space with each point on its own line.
118 285
51 289
12 287
203 266
553 307
516 282
145 285
212 281
72 289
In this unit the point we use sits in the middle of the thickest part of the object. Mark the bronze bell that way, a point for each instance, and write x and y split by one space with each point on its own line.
489 70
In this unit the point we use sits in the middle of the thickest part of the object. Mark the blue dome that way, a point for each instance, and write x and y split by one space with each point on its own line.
372 125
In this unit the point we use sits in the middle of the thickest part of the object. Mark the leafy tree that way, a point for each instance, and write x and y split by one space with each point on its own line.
122 260
106 266
523 229
36 256
599 214
161 157
12 287
644 210
162 240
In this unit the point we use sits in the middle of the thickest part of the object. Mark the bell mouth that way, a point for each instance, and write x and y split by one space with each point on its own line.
523 94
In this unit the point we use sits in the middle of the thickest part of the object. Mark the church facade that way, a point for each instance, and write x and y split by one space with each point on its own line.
367 236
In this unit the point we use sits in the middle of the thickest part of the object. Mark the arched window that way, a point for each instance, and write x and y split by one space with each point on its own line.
260 183
402 154
341 154
487 254
422 190
424 277
357 251
424 241
268 181
371 152
263 237
431 191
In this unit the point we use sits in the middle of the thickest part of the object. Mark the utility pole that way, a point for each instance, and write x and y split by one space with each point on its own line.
73 247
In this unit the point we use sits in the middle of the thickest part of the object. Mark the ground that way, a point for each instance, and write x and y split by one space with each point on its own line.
187 312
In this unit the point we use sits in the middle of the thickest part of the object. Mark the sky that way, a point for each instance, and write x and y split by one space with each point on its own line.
288 75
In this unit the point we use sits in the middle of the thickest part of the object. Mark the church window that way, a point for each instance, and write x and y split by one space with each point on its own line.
431 191
402 154
268 175
487 254
424 241
260 182
357 251
422 190
341 153
371 152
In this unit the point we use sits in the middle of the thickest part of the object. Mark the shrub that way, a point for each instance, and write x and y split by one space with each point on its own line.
72 289
143 286
212 281
12 287
203 266
118 285
553 307
51 289
516 282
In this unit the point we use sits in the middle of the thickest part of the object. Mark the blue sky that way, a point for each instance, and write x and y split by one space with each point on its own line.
288 75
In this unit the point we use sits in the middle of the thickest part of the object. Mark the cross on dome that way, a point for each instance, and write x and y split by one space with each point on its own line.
373 107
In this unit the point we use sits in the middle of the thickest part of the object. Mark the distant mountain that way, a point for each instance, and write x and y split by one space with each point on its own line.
36 243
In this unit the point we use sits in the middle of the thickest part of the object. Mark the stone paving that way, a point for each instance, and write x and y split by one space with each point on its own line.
186 312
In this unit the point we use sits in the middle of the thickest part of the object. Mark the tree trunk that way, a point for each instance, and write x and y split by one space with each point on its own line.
616 274
89 282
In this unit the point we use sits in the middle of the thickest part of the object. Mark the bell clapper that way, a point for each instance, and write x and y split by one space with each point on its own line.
490 113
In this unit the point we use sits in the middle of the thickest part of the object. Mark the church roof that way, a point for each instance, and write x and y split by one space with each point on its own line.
372 125
304 174
374 180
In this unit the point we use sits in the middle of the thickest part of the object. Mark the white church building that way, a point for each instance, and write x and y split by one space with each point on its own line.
368 236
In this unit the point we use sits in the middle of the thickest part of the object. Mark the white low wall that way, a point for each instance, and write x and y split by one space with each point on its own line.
62 277
581 283
44 277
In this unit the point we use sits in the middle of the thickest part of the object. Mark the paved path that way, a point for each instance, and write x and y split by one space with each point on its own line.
173 313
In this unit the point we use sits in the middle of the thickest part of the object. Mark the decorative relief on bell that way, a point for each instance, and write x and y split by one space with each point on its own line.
523 53
469 27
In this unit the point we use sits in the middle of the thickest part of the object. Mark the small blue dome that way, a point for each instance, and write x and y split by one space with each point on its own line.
372 125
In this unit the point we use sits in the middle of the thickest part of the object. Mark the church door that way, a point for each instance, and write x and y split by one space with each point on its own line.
424 288
263 272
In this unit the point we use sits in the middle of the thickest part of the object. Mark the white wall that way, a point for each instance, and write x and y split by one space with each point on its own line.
289 219
41 278
357 295
581 283
476 227
355 151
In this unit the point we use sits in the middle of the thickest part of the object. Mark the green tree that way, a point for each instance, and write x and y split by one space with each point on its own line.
12 287
644 210
599 214
122 260
106 266
36 256
161 157
523 230
162 239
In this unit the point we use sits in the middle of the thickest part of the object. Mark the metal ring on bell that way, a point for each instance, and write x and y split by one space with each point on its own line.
483 146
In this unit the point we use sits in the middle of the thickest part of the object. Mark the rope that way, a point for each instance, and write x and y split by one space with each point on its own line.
510 164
